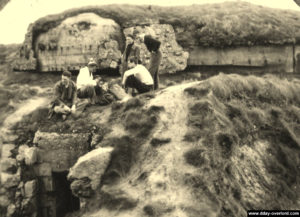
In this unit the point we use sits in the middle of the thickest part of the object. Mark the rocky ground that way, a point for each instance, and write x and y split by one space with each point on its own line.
216 147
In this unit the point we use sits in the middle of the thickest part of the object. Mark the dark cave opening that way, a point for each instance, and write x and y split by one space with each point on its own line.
66 202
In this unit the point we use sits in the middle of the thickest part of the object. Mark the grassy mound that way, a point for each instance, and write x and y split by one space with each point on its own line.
231 24
138 123
237 150
218 25
217 147
245 130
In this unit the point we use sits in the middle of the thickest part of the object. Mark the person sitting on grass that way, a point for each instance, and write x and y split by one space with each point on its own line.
103 94
86 83
65 96
137 77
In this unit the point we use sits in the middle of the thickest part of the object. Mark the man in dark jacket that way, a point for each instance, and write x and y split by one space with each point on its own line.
64 96
131 51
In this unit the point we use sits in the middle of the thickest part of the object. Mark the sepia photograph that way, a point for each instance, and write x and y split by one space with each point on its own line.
151 108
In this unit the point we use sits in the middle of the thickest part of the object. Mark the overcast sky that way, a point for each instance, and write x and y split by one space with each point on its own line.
18 14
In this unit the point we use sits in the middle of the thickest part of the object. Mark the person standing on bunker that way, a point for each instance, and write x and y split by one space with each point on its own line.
131 51
153 46
65 96
85 82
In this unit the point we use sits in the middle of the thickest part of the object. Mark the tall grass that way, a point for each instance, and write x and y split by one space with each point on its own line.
231 111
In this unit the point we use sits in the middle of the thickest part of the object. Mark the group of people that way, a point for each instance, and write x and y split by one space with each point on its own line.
134 75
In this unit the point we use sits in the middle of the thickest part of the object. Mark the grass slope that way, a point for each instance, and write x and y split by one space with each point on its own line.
231 145
217 147
246 136
218 25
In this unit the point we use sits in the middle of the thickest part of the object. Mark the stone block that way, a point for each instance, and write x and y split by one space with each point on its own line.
47 184
8 165
43 169
40 155
61 150
4 201
21 185
61 160
20 158
82 188
6 150
2 190
22 149
30 188
9 137
10 180
18 195
92 165
30 155
55 141
11 210
118 92
29 206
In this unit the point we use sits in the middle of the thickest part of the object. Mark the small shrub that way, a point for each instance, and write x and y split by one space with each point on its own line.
116 202
116 106
226 142
233 111
157 209
201 114
155 142
143 176
133 103
149 210
198 92
122 157
288 137
195 157
155 109
192 136
140 123
236 192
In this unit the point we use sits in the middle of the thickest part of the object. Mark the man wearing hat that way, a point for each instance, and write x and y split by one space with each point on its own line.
86 83
65 96
131 51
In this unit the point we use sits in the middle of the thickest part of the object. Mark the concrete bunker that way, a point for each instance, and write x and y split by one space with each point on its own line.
56 154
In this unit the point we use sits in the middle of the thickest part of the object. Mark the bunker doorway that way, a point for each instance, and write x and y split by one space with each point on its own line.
66 202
